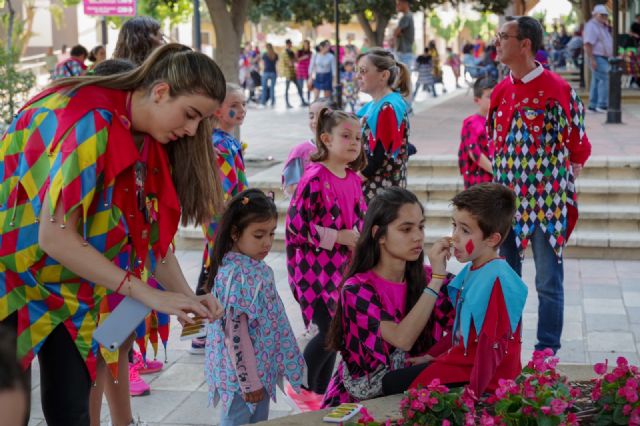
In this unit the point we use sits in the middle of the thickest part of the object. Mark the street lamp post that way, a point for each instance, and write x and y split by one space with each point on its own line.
337 94
197 38
614 112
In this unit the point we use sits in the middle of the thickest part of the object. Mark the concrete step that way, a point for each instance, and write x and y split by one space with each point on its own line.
624 191
597 167
596 218
582 244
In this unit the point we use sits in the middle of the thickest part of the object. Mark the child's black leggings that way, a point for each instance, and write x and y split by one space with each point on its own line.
64 379
319 359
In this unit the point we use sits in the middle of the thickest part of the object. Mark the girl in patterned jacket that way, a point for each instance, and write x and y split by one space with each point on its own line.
323 224
252 348
391 307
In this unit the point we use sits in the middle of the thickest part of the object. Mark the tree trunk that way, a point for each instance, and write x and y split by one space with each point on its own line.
12 17
376 37
229 27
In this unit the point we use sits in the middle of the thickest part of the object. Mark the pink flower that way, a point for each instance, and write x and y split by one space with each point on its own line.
411 414
558 406
469 419
610 377
572 419
545 410
575 392
630 394
601 367
417 405
632 383
527 410
596 392
622 362
486 419
626 410
446 423
365 416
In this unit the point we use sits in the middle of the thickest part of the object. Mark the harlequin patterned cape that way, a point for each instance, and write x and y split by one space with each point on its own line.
77 148
363 308
485 345
538 131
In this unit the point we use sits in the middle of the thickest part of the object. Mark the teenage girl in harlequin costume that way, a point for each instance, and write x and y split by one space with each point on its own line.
385 120
230 164
323 224
489 297
72 215
252 348
391 306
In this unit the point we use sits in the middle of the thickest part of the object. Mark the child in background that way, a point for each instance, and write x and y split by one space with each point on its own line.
453 60
252 348
488 296
232 172
323 224
299 157
424 66
391 306
349 87
475 155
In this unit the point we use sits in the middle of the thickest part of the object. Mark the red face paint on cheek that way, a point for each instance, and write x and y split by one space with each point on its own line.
469 247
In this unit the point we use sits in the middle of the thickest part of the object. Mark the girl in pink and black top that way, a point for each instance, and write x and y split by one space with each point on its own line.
391 307
322 227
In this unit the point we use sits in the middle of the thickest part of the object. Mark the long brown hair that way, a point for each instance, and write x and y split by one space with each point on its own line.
328 119
271 53
383 210
399 75
134 40
195 177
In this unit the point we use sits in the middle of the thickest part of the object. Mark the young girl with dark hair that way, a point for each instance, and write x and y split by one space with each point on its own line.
323 224
391 308
252 348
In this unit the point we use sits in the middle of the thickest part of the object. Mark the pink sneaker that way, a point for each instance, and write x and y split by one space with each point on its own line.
306 400
152 366
137 386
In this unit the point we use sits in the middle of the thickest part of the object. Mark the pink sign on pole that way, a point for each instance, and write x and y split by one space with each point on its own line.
110 7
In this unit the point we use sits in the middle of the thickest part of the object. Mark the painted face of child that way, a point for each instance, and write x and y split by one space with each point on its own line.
314 111
344 142
232 111
256 239
469 243
405 236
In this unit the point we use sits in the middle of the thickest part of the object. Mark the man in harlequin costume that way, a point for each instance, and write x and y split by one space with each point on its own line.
537 123
488 296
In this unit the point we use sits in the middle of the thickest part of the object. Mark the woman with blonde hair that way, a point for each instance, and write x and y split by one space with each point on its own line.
385 120
97 172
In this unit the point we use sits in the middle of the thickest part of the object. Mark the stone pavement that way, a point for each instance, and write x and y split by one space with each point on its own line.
602 298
